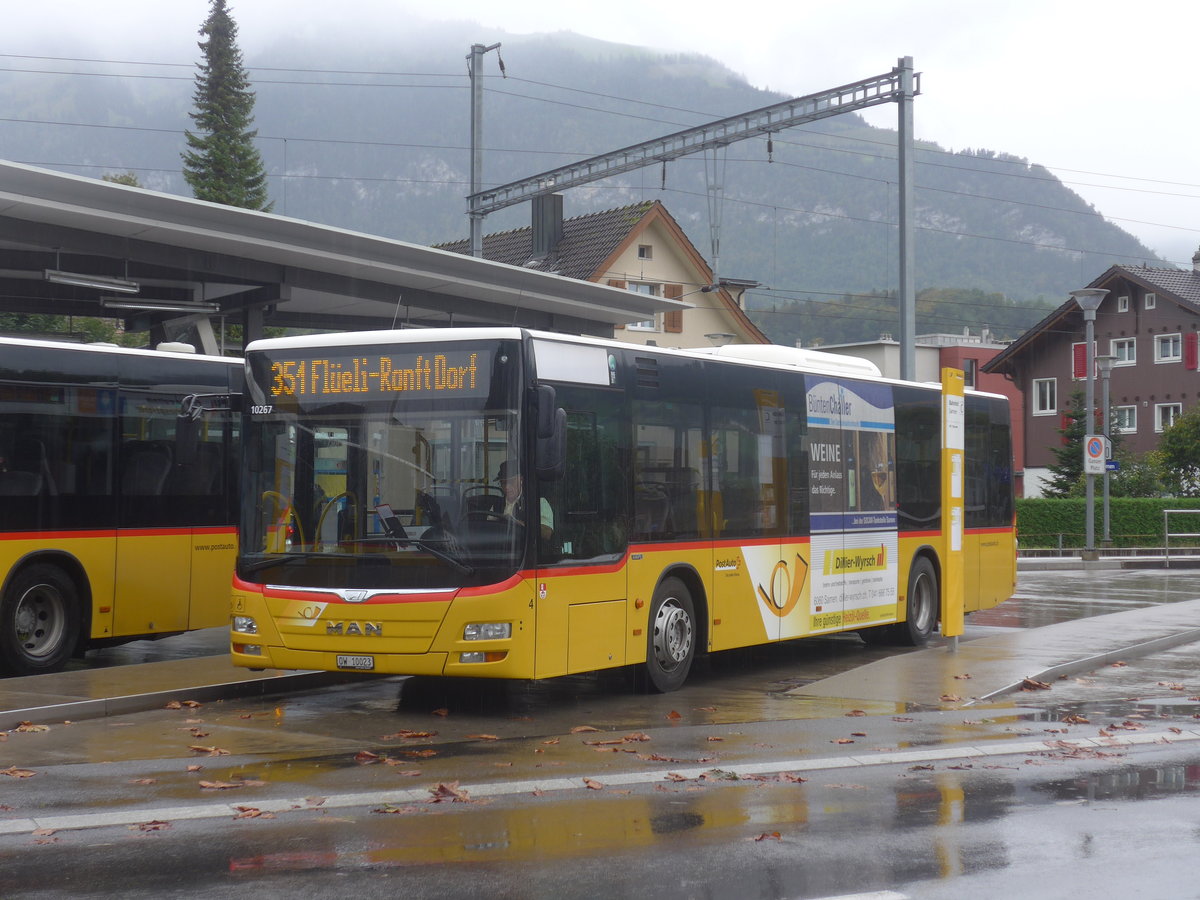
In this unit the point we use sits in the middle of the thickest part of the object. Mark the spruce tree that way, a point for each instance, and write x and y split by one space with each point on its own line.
222 164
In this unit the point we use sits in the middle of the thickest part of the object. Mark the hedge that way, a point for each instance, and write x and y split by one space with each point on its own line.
1135 521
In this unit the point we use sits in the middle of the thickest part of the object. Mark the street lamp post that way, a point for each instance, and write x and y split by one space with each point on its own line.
1105 363
1089 301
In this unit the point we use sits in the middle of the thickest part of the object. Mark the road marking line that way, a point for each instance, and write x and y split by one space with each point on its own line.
113 818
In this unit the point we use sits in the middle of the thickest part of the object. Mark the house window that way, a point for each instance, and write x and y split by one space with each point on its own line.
1165 415
1125 350
1168 348
970 367
1125 421
1045 396
645 251
1123 304
642 288
1151 301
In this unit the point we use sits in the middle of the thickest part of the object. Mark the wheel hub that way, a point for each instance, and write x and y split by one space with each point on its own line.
672 635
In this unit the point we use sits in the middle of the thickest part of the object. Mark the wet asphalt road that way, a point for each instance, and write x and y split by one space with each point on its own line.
1104 822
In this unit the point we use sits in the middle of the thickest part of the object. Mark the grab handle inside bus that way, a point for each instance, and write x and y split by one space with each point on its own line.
550 455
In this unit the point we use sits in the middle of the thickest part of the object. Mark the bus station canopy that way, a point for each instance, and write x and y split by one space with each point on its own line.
82 247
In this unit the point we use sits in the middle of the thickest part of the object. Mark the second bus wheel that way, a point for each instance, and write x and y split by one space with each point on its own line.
39 621
923 604
671 637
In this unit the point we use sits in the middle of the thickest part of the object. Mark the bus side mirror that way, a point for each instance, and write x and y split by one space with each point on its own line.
187 430
550 450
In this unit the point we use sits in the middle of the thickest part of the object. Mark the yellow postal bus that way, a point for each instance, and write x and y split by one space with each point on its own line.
508 504
104 535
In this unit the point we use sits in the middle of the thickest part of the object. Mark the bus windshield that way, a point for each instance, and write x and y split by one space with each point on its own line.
369 479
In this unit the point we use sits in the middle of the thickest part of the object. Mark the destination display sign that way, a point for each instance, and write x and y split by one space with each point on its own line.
389 372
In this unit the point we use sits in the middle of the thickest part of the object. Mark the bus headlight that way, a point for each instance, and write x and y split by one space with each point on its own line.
487 631
245 625
247 649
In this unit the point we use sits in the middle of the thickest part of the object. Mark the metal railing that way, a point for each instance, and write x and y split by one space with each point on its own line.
1168 533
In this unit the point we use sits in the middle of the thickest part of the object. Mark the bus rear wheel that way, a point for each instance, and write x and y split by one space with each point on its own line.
671 642
923 604
39 621
921 613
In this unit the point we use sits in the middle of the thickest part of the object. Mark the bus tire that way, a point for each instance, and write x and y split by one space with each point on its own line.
671 637
39 621
923 604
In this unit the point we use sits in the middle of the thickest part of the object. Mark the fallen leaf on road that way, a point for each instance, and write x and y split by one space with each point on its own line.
1171 685
144 781
1119 664
30 728
962 677
222 785
593 785
42 832
211 751
14 772
769 836
366 757
1032 684
252 812
484 737
1076 720
674 715
181 704
951 698
583 729
842 741
405 734
419 754
715 738
856 712
443 712
448 791
194 768
155 825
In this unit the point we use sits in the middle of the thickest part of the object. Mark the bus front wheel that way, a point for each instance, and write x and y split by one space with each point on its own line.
671 641
39 621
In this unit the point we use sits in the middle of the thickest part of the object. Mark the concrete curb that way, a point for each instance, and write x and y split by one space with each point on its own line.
123 704
1090 663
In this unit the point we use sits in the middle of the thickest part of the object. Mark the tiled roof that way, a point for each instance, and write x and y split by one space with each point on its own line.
1181 285
586 243
1184 284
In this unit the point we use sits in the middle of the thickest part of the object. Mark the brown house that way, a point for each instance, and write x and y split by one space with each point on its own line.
1150 321
638 248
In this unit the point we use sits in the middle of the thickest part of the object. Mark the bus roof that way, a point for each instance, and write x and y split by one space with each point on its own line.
113 348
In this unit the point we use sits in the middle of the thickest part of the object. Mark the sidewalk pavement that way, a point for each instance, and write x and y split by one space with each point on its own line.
996 664
1000 663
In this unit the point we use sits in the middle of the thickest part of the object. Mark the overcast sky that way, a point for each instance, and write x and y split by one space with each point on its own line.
1106 94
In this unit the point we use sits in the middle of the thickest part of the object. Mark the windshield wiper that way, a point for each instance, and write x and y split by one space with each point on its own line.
445 557
275 560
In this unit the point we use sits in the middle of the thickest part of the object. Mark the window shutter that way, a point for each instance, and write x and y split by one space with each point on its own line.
1190 355
673 319
617 283
1079 360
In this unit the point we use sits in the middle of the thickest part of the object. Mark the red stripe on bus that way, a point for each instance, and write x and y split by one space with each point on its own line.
110 533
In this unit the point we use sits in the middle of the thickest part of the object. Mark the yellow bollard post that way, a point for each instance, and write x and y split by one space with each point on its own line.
953 475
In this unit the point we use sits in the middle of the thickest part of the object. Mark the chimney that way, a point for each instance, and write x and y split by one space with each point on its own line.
1196 261
547 224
